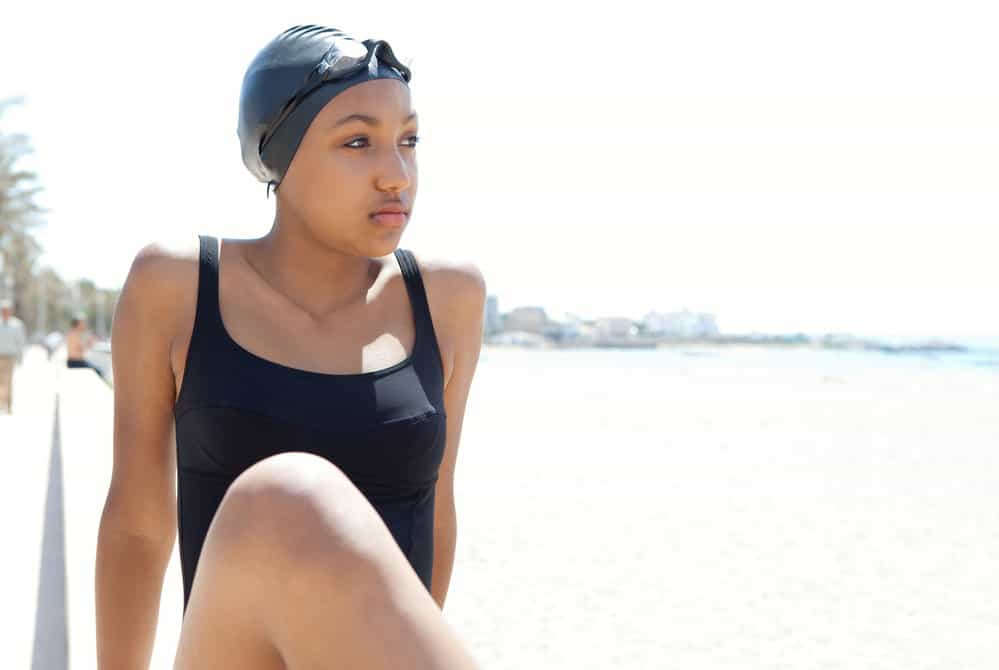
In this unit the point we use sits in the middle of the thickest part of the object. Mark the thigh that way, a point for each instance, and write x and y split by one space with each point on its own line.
220 628
283 524
299 569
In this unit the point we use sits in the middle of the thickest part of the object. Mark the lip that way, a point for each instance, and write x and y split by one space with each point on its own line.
391 208
390 219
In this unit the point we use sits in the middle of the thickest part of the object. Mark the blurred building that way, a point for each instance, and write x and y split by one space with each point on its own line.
684 323
615 326
526 319
493 320
564 328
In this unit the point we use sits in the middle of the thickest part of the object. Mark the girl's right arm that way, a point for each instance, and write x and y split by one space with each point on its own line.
139 522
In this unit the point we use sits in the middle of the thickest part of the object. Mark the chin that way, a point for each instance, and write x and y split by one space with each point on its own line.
382 246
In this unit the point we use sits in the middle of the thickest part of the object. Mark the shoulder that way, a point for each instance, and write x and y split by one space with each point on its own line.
456 290
167 254
458 280
163 278
164 267
456 293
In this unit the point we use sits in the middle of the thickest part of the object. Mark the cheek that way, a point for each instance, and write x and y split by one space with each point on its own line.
336 194
329 174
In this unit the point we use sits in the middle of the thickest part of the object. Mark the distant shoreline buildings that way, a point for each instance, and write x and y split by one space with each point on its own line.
531 326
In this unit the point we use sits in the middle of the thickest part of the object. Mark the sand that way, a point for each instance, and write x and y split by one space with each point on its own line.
696 516
727 518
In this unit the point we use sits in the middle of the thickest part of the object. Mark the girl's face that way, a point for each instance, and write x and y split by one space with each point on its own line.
358 153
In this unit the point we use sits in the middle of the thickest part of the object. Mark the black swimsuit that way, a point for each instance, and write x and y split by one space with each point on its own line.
384 429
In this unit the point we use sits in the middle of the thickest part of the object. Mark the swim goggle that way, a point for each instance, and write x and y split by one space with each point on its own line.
344 59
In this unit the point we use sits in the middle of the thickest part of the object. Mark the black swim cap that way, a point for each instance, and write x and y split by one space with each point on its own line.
291 80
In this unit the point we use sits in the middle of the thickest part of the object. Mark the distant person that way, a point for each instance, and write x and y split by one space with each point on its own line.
12 341
78 342
306 388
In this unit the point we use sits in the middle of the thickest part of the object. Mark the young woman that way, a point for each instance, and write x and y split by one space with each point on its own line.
311 386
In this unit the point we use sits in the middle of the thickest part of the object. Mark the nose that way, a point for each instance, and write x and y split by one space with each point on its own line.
396 171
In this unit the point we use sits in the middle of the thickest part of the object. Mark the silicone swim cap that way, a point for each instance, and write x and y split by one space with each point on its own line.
291 80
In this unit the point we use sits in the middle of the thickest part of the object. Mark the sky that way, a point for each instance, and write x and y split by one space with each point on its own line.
786 166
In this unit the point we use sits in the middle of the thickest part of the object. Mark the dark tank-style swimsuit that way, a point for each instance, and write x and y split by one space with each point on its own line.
385 429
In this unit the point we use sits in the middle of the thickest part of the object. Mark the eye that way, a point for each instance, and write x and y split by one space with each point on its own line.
413 138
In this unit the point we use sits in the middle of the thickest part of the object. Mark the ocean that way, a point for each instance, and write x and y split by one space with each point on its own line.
982 356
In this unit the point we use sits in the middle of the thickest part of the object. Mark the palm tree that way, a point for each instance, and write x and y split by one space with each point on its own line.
19 213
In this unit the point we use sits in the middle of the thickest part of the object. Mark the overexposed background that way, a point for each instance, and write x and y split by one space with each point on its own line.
787 166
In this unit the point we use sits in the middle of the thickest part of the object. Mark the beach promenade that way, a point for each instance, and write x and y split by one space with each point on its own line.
57 450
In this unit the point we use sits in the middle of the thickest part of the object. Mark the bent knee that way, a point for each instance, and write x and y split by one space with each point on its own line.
298 509
288 475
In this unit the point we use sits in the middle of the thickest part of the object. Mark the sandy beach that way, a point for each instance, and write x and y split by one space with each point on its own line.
628 510
732 517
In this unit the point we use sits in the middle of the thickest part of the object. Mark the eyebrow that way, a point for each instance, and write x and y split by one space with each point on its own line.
370 120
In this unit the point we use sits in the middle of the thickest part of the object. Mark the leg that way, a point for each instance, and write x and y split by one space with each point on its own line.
7 382
298 572
95 369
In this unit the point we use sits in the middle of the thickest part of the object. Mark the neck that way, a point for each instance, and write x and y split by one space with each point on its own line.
315 278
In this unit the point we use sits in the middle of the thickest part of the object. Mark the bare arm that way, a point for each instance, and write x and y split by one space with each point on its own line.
138 524
465 325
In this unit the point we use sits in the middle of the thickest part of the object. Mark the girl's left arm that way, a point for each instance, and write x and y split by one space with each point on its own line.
466 328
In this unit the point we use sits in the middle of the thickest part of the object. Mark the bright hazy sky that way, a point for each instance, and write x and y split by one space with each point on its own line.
788 166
